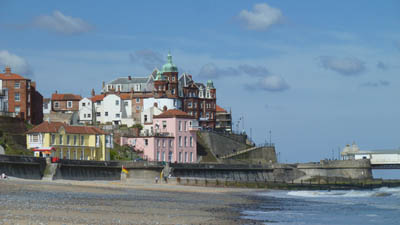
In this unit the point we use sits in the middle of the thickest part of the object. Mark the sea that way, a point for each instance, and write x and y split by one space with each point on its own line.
376 206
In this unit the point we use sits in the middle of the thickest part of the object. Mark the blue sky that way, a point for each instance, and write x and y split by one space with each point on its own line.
318 74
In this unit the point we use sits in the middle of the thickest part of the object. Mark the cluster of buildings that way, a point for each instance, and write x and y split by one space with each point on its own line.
169 108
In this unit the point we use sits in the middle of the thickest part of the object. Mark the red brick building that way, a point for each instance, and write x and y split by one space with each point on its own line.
65 102
23 99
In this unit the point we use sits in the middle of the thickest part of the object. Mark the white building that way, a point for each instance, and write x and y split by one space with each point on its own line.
170 103
46 106
377 157
85 111
147 119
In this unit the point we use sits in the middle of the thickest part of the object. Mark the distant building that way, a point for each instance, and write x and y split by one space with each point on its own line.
223 120
46 105
167 90
19 97
174 138
70 142
65 103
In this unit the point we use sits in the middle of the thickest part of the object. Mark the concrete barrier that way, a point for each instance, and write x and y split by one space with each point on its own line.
26 167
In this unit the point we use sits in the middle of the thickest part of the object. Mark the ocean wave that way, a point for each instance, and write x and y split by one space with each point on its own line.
380 192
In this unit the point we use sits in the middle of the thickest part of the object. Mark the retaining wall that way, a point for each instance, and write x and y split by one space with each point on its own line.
26 167
88 170
355 169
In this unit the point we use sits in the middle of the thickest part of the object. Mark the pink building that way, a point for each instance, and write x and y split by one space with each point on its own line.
173 138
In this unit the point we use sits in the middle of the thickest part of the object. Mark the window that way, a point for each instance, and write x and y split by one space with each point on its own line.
117 115
98 114
17 97
145 118
83 104
191 157
158 155
184 126
170 143
88 115
116 102
189 105
185 141
60 139
82 140
69 104
185 159
173 91
146 142
180 141
82 154
106 113
45 106
137 100
173 78
170 156
191 141
17 85
163 156
164 124
84 115
180 157
56 104
98 102
163 143
180 125
126 103
195 105
35 138
158 143
138 107
17 109
53 139
74 139
67 139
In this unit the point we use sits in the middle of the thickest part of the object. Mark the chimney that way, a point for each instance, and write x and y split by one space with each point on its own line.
165 108
56 92
155 104
7 69
129 78
93 93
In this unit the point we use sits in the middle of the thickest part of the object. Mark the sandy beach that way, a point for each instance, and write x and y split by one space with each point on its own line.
94 202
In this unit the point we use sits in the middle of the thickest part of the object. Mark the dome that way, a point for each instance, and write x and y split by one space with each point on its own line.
210 84
169 66
159 76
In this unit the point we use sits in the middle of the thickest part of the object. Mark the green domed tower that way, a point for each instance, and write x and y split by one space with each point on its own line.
170 72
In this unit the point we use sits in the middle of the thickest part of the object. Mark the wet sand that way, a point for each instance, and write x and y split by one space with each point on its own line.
92 202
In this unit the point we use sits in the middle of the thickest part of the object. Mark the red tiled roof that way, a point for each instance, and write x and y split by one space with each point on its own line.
125 96
98 98
53 127
11 76
59 97
173 113
220 109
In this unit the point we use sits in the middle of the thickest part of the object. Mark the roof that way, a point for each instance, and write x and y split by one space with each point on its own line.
125 96
60 97
97 98
173 113
7 75
220 109
53 127
126 80
46 100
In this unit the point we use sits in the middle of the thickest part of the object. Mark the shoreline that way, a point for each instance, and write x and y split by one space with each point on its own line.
107 202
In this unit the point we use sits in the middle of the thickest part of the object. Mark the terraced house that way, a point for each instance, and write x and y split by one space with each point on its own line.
70 142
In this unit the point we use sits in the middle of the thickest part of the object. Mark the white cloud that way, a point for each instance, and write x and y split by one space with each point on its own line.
344 66
261 18
18 64
211 71
148 58
271 83
60 23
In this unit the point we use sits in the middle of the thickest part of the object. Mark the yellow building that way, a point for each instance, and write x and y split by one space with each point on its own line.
70 142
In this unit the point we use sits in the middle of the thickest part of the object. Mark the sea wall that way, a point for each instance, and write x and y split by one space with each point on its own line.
354 169
87 170
260 155
143 172
26 167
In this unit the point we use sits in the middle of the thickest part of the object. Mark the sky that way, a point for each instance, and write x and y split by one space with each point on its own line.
317 74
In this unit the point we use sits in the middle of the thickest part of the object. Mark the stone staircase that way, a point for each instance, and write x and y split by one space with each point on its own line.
238 153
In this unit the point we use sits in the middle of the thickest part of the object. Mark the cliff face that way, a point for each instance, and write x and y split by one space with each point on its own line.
12 136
